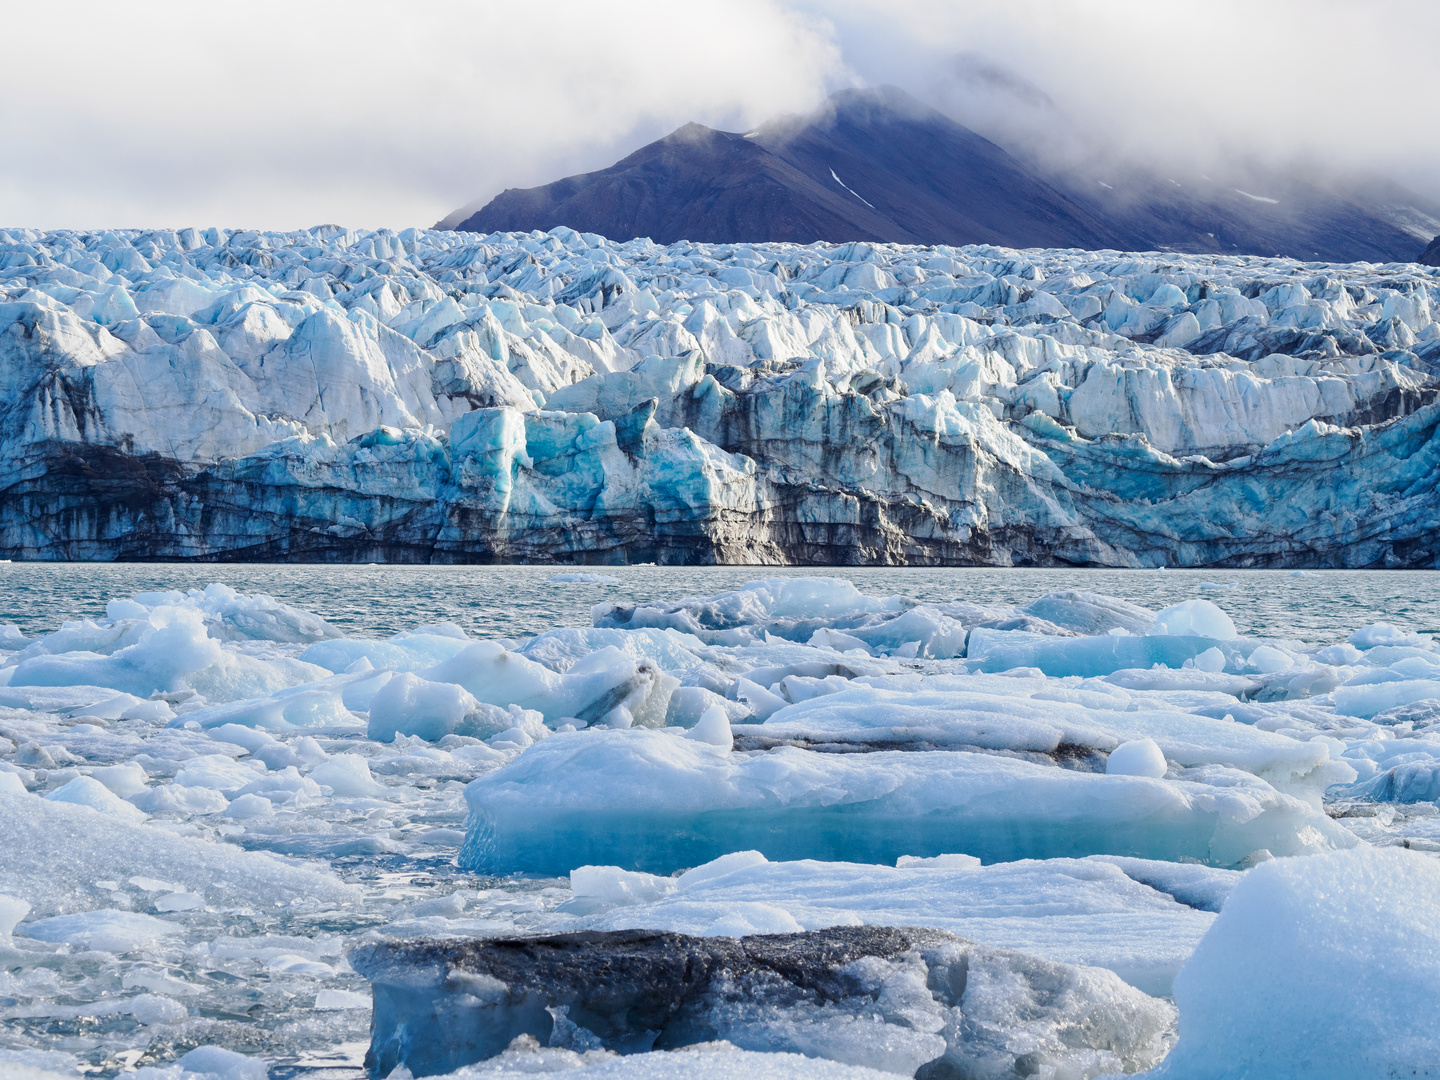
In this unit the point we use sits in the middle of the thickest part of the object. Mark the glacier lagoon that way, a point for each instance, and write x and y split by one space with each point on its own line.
1112 798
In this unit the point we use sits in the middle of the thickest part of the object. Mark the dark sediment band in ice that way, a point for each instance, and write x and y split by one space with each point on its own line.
907 1000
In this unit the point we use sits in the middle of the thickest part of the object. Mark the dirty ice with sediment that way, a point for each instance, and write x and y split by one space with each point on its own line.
1069 838
447 397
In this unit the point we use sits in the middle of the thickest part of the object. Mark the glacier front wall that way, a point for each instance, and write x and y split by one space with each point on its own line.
434 397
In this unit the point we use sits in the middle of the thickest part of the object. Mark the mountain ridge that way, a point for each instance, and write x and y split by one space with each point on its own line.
879 165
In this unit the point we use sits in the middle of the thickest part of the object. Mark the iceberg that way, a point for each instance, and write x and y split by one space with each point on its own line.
652 801
895 1000
1300 974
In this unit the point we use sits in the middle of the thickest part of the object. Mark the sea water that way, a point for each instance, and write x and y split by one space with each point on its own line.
516 601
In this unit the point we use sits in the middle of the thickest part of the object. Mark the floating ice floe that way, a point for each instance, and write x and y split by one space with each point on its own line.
207 782
647 800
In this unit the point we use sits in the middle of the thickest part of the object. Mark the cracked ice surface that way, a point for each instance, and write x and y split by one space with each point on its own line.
209 799
429 396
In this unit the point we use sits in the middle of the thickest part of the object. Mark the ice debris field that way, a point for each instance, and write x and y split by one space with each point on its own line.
440 397
1130 840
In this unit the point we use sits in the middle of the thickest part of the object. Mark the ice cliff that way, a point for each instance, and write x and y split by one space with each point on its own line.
431 396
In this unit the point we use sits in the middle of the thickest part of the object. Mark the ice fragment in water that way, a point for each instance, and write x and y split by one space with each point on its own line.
106 929
653 801
86 791
1139 757
714 728
411 705
12 910
1194 618
347 775
1211 660
124 780
213 1061
1384 634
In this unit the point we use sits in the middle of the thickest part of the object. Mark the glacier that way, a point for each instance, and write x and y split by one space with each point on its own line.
421 396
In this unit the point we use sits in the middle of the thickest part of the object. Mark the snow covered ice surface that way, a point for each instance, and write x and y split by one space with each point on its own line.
1304 968
211 799
438 396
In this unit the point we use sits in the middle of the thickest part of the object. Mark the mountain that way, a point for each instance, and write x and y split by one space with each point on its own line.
877 164
872 165
1255 211
1431 255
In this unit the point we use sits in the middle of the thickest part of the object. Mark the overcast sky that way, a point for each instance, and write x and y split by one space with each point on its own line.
286 113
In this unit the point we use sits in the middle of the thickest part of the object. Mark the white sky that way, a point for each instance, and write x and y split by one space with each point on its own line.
285 113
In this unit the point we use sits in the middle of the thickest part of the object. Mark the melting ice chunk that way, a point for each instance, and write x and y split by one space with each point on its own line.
892 999
1195 618
1303 971
1139 757
654 801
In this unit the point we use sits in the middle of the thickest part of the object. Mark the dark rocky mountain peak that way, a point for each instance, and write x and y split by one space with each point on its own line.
866 165
877 164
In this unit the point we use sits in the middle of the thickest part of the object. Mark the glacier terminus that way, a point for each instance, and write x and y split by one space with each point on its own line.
422 396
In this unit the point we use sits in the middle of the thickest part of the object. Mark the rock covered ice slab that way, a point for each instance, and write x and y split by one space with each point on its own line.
892 999
434 396
655 801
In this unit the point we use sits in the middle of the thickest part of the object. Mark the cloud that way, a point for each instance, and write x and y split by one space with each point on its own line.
282 114
1190 82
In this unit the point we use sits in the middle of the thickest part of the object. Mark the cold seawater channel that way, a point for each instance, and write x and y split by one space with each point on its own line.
515 601
207 802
